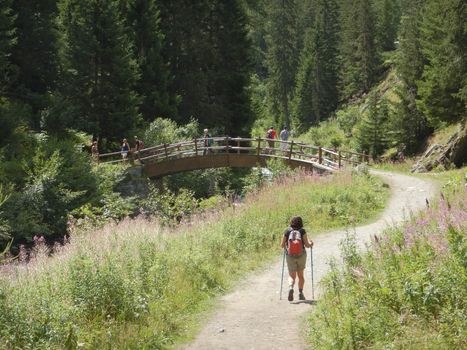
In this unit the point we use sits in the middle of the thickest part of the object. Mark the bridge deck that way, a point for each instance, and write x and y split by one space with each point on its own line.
233 160
217 152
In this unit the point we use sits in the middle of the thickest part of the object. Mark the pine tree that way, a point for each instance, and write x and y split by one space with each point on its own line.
282 57
100 74
257 19
207 50
410 58
372 131
229 75
316 94
7 40
142 20
358 54
443 88
35 54
408 125
188 54
387 23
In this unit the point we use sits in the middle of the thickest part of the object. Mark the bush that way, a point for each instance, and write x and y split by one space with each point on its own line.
59 179
328 134
169 207
167 131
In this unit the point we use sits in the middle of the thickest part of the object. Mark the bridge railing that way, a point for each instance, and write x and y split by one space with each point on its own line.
255 146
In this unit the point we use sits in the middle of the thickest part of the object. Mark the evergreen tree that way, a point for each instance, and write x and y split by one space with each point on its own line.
188 54
358 54
316 95
35 54
100 74
257 19
408 124
282 57
443 89
207 50
143 21
229 75
7 40
372 130
410 58
387 23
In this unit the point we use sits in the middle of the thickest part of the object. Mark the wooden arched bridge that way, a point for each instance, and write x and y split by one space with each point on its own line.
234 152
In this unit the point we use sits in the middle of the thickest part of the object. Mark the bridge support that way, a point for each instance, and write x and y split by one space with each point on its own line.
233 160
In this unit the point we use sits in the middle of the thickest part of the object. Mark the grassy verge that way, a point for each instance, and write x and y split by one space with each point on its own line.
137 286
403 167
409 291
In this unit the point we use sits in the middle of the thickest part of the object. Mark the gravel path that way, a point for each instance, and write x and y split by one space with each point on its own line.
252 317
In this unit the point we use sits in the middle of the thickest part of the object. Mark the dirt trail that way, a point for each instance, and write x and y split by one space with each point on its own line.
252 317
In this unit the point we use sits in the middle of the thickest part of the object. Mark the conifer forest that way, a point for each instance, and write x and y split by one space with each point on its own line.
74 71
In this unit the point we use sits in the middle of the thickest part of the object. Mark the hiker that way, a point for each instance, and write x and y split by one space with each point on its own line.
139 144
271 135
294 242
284 136
208 141
125 149
95 151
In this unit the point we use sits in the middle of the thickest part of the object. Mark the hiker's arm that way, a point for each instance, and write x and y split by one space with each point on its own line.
307 242
283 242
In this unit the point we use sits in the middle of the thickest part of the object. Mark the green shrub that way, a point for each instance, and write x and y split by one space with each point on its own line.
162 131
169 207
328 134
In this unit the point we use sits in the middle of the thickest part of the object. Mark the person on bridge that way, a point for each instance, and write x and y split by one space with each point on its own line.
208 141
95 151
125 149
271 135
284 136
139 144
294 241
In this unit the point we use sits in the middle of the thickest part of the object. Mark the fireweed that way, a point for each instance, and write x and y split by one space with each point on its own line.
137 284
408 291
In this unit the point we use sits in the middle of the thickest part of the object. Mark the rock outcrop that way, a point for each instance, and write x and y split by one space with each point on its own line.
452 154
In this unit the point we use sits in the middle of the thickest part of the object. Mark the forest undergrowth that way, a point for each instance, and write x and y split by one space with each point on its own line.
138 285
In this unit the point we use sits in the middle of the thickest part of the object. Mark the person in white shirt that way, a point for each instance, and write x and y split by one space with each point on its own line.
284 136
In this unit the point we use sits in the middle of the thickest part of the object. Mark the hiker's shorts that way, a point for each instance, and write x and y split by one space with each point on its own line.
296 263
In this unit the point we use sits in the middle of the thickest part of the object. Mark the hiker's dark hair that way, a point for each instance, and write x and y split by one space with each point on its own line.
296 223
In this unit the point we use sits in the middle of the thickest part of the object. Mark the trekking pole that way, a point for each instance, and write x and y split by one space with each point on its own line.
282 275
312 279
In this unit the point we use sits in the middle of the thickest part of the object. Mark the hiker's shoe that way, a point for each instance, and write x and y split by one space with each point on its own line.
301 296
290 298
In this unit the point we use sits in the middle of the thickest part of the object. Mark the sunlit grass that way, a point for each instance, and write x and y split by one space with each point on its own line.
399 167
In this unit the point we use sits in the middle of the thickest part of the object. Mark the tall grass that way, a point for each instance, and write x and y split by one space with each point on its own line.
403 167
409 291
136 285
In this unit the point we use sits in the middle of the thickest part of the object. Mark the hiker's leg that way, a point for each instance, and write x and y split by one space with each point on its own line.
292 276
301 279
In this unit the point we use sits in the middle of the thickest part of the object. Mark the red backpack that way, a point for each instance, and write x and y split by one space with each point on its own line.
295 244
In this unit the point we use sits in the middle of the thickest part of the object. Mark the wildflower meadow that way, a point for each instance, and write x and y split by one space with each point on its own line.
140 285
408 291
